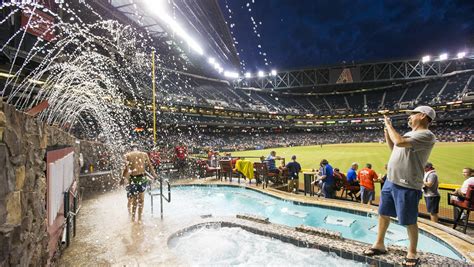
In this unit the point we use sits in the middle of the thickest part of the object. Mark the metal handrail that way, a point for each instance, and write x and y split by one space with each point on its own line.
168 199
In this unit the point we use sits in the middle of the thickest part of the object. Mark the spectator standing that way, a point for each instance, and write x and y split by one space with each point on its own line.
181 154
401 193
367 177
294 169
155 158
430 191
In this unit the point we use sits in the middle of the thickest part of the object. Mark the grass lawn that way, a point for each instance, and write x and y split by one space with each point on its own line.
448 158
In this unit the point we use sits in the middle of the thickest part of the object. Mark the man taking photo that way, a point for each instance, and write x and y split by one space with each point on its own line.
402 190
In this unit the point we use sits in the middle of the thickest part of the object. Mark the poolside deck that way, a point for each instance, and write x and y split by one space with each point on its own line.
106 237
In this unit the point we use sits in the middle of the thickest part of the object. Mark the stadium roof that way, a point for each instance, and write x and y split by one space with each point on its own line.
198 28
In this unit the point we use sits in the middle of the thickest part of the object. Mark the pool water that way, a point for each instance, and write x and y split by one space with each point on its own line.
236 247
229 201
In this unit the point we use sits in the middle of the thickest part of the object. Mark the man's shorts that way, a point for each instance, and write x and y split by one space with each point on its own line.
366 195
432 204
401 202
137 185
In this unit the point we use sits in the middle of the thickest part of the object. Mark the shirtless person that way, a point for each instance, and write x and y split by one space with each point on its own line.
135 164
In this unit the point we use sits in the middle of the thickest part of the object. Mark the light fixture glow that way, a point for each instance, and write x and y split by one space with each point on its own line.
425 59
260 73
248 75
36 81
159 8
273 73
461 55
6 75
211 60
231 74
443 56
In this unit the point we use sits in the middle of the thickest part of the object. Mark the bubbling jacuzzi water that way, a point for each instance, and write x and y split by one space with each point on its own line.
237 247
229 201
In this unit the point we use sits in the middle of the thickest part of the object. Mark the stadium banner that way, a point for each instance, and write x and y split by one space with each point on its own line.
344 75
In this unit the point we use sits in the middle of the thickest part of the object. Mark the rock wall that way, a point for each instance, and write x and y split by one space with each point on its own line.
23 223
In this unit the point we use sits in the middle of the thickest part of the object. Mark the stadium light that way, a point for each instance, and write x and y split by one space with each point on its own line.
443 56
160 10
425 59
461 55
231 74
211 60
38 82
261 74
6 75
273 73
248 75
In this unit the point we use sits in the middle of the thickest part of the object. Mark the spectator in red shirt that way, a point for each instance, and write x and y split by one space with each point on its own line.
367 177
155 157
181 151
181 154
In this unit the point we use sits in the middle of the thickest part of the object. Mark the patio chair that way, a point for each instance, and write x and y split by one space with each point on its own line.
261 171
347 188
227 170
464 204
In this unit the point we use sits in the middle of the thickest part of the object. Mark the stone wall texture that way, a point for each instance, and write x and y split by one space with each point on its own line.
23 222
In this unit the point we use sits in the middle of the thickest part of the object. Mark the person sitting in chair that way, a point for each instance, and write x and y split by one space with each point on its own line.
326 176
468 174
271 166
353 181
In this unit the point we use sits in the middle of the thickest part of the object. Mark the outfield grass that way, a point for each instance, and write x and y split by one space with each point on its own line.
448 158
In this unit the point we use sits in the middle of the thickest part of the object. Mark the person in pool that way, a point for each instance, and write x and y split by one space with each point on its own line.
136 163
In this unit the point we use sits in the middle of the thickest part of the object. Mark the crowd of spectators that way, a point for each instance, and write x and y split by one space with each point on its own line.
222 140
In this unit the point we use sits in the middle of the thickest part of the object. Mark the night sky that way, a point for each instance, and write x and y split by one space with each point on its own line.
308 33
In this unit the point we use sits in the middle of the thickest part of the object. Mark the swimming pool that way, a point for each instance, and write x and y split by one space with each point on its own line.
229 201
225 246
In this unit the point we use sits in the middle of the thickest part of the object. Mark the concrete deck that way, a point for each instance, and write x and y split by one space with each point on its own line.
106 237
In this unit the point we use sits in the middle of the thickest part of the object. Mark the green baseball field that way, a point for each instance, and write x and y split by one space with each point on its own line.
448 158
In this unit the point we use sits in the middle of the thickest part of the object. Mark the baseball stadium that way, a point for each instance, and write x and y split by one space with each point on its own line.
222 133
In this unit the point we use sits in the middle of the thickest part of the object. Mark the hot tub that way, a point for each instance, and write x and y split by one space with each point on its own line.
229 201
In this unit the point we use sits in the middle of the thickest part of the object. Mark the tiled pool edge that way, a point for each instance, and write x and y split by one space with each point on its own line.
460 248
347 249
